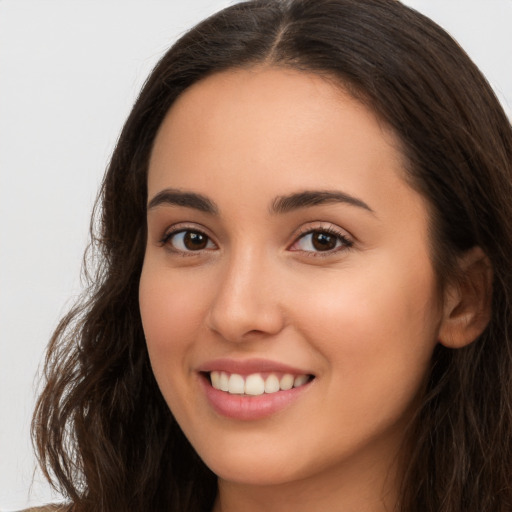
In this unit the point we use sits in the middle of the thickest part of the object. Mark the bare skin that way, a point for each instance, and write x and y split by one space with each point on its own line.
342 290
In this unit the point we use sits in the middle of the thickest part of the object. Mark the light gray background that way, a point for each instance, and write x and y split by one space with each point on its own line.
69 73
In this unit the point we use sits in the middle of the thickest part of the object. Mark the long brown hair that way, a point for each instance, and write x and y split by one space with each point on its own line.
102 429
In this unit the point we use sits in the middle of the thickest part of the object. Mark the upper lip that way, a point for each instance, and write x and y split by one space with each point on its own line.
249 366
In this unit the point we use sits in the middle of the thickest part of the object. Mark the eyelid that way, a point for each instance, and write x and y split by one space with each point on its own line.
183 227
347 241
326 227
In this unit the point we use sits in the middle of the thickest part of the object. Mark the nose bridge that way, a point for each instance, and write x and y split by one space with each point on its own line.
246 300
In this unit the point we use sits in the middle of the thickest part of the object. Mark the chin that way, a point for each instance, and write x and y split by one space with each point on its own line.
259 474
254 468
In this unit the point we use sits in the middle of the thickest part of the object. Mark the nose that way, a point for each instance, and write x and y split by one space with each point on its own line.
246 305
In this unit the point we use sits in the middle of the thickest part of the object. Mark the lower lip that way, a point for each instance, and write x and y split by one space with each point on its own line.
250 408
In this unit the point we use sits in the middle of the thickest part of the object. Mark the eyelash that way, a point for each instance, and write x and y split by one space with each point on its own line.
165 241
345 242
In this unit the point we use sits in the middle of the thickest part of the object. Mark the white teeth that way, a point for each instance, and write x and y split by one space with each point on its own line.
272 384
300 381
286 382
236 384
223 382
255 384
215 377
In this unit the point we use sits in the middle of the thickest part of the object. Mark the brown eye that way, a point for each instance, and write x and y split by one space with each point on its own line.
189 240
323 241
195 241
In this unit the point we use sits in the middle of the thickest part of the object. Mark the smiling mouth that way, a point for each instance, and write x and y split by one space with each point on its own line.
256 384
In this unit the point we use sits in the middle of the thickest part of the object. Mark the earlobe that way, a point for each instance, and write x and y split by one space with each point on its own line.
468 301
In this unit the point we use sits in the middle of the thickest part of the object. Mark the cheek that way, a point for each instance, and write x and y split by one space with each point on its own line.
170 312
376 329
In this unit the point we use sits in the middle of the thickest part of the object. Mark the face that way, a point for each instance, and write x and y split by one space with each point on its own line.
285 248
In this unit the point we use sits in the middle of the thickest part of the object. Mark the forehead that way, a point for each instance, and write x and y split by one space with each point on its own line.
265 96
263 131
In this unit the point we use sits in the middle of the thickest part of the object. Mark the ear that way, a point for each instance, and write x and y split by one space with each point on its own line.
467 301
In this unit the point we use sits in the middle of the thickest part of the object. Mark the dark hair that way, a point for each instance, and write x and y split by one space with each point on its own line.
102 428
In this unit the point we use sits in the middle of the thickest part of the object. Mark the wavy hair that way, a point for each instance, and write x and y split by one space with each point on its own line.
103 432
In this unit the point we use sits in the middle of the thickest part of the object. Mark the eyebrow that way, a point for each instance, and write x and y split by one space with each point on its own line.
175 197
280 205
308 198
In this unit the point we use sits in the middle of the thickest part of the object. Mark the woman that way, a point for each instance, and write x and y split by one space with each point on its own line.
302 298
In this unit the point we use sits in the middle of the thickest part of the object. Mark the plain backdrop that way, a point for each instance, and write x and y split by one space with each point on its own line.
69 73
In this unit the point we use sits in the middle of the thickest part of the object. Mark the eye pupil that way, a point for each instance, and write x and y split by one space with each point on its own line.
195 241
323 241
